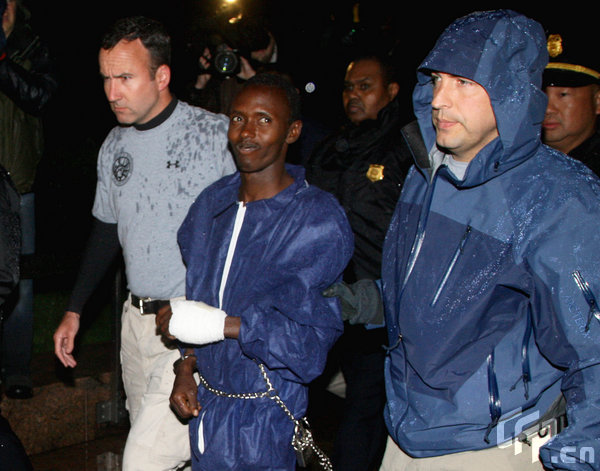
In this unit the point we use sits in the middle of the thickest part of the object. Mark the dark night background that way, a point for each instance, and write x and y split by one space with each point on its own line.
314 37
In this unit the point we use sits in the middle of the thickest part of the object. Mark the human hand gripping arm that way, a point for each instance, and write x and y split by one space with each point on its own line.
361 301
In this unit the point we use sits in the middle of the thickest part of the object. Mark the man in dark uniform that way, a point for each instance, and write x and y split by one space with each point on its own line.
572 83
364 165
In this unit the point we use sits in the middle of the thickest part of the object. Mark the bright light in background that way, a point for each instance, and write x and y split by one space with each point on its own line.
232 9
235 19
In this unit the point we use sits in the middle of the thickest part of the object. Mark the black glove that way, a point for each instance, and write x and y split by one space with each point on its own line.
2 35
361 301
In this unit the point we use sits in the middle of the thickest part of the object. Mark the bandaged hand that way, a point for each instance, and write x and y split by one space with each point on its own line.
195 322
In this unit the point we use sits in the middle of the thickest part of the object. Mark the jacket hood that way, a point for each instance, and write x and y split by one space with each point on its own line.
505 52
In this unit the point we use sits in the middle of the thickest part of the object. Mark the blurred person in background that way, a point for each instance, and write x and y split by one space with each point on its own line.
27 83
364 165
228 55
12 454
572 83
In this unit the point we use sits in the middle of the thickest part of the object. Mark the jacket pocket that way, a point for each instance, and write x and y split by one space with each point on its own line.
457 253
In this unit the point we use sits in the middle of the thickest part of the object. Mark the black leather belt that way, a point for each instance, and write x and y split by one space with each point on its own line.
148 305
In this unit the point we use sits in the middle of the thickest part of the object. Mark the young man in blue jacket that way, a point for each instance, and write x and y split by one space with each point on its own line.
490 269
260 246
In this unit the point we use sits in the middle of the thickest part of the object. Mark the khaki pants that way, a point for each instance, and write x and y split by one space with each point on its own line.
490 459
157 440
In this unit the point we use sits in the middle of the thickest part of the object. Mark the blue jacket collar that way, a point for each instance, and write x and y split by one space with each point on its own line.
228 194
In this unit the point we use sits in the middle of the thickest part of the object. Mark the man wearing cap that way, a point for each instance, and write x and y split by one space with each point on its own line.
490 269
572 83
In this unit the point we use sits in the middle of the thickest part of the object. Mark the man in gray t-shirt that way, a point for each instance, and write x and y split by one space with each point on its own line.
150 170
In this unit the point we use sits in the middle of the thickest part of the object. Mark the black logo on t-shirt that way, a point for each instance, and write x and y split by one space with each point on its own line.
122 168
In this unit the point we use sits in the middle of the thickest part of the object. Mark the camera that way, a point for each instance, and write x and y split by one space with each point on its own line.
228 43
226 61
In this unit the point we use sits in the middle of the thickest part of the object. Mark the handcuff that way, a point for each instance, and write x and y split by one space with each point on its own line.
180 360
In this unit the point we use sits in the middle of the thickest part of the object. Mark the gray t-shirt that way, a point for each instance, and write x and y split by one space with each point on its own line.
147 181
457 167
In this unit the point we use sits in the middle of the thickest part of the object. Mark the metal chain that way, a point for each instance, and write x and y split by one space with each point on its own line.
218 392
302 439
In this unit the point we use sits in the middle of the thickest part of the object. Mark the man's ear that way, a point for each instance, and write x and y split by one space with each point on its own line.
294 132
393 89
163 76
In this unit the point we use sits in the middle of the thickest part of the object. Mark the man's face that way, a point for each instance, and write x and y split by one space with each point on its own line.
133 94
365 92
571 116
462 115
9 17
259 128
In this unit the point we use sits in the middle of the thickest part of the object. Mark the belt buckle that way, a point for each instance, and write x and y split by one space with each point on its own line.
142 301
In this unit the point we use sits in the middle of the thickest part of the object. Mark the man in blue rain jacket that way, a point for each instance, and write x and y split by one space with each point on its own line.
491 269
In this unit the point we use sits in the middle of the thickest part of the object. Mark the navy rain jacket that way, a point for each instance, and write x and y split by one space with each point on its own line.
290 248
490 283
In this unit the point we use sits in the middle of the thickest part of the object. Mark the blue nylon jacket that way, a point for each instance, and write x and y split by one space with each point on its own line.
490 283
290 248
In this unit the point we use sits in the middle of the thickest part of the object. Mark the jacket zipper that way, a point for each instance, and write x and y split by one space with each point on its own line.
589 297
457 253
525 368
494 397
420 234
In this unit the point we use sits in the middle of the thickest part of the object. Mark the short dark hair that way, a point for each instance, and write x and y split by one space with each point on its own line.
389 71
150 32
283 83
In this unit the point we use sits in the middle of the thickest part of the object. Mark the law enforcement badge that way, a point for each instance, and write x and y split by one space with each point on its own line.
122 168
375 172
555 47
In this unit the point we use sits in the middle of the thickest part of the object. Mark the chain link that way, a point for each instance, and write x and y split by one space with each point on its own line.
302 439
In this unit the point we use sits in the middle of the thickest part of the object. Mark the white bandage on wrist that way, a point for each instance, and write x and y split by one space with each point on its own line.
196 322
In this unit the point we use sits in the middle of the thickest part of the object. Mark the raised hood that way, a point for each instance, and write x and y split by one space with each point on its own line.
506 54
